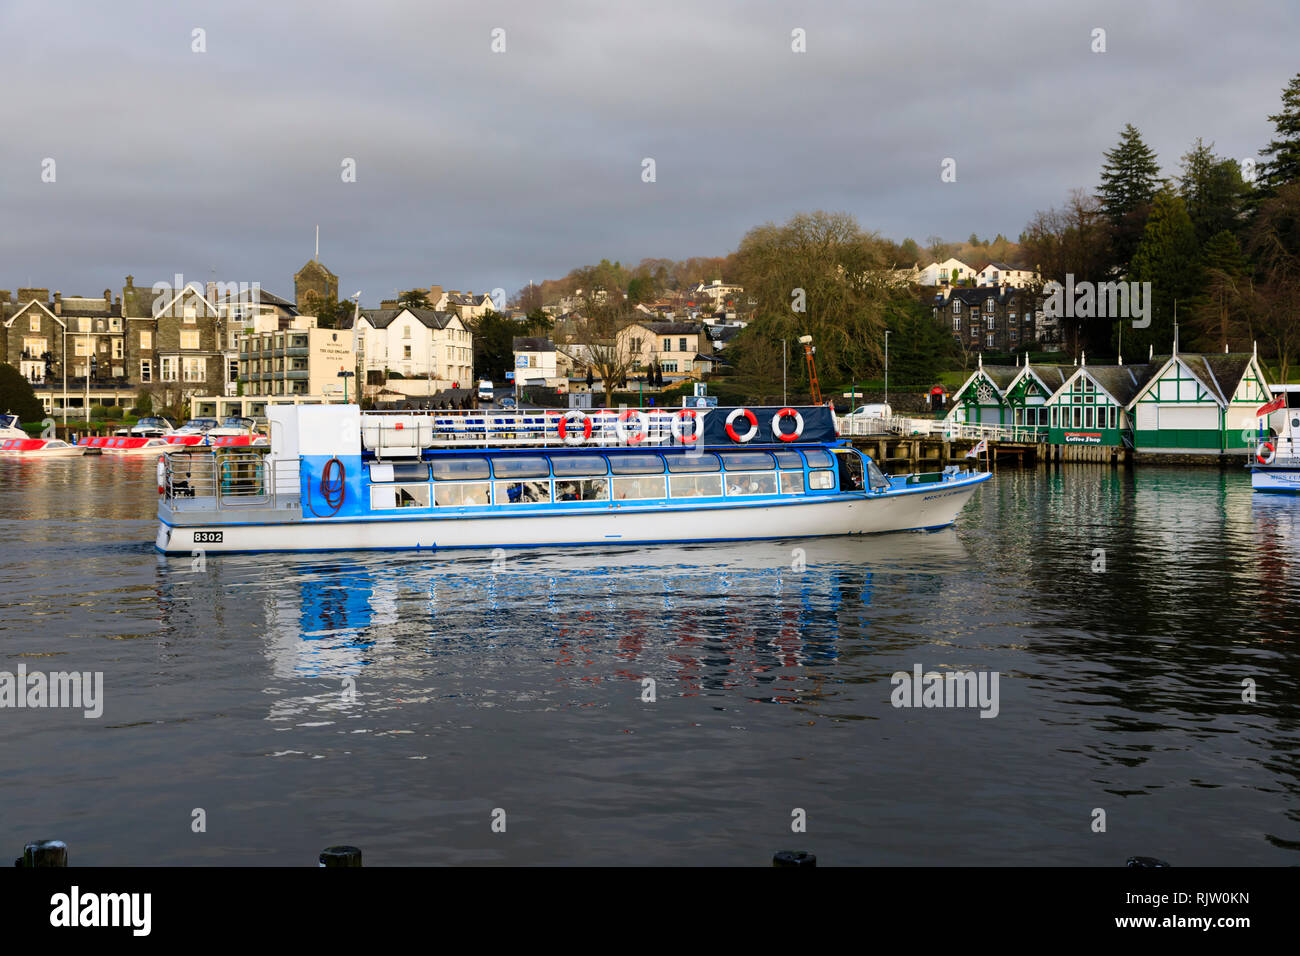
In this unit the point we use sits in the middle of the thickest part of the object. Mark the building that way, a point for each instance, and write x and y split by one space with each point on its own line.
723 295
995 318
414 343
314 285
536 361
681 349
1199 403
948 272
999 273
467 305
295 360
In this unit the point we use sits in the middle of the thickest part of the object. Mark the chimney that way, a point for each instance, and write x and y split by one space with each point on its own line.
130 282
58 303
108 300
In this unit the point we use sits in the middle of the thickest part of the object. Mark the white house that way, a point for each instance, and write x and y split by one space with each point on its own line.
416 343
940 273
999 273
535 361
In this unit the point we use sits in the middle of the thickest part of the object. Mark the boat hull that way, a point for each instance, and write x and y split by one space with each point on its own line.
1284 480
923 507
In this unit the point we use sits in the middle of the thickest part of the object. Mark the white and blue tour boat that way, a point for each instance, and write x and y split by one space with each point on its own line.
1276 466
337 478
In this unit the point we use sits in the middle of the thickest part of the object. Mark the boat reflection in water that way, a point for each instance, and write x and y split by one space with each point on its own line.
755 619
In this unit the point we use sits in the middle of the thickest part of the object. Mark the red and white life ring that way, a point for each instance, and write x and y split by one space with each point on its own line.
1261 457
575 417
798 424
642 426
753 425
678 426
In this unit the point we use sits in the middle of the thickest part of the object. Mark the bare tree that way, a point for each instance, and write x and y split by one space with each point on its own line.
596 343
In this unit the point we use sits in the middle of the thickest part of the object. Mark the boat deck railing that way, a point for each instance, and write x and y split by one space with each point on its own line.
397 433
199 477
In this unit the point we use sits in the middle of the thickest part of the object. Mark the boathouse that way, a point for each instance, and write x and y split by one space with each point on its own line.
1199 404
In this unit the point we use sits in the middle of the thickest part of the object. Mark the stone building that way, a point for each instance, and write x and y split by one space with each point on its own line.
313 285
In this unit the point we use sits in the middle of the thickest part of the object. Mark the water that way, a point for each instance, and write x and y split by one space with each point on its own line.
395 701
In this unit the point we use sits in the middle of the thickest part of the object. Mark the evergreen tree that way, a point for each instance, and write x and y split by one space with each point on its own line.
1129 179
1213 190
17 396
1168 257
1284 149
1219 313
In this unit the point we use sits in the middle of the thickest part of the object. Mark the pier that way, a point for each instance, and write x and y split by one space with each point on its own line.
934 452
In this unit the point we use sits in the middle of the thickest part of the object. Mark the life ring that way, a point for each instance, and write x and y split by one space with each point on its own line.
162 475
798 424
574 416
1272 453
642 422
753 425
678 426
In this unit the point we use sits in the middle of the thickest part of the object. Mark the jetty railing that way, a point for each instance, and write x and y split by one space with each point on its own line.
940 428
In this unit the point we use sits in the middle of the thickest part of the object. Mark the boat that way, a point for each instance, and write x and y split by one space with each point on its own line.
335 478
123 445
1276 464
149 427
232 431
9 427
39 448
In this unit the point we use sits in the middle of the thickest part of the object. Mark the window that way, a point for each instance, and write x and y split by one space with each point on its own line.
648 486
683 464
392 497
146 339
757 483
34 348
520 468
988 306
1076 416
988 340
792 482
1087 416
747 461
461 494
406 352
668 345
195 369
1055 417
574 465
696 486
34 323
117 348
681 345
789 459
818 458
992 322
821 480
591 489
232 372
146 372
406 331
956 306
956 323
83 347
522 492
459 469
636 465
191 315
189 338
167 368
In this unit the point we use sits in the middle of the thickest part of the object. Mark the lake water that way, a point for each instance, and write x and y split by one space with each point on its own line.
396 701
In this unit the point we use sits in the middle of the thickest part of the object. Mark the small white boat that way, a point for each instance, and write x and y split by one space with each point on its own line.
39 448
9 427
135 445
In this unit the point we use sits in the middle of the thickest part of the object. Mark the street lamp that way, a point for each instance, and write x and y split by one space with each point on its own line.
345 375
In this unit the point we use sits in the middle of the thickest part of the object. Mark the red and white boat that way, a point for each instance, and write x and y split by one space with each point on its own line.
135 445
39 448
232 432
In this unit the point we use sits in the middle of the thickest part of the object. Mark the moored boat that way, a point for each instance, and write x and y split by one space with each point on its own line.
334 478
9 427
39 448
1276 463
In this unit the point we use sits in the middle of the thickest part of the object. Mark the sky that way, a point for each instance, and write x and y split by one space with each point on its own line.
504 141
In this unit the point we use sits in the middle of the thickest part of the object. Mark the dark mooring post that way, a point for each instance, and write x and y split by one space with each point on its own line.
43 853
794 858
340 856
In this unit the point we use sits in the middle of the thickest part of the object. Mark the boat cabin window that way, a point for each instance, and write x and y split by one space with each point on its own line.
390 497
817 458
636 465
592 489
760 483
573 465
461 493
789 459
521 468
876 479
690 463
399 471
522 492
748 461
821 480
649 486
696 486
792 482
852 474
458 469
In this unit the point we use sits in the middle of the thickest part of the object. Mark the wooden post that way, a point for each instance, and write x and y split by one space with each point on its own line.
44 853
794 858
340 856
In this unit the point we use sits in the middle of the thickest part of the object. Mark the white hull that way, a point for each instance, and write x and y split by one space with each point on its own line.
1275 479
73 451
928 506
138 452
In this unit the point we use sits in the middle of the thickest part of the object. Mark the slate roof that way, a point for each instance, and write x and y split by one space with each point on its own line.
383 318
671 328
531 343
1122 382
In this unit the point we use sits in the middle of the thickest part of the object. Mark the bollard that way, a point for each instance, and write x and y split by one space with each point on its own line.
340 856
43 853
794 858
1144 862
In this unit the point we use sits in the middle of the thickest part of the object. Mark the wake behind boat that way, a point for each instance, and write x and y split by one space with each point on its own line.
334 478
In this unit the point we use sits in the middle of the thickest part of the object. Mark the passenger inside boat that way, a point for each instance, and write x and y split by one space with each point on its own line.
851 471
